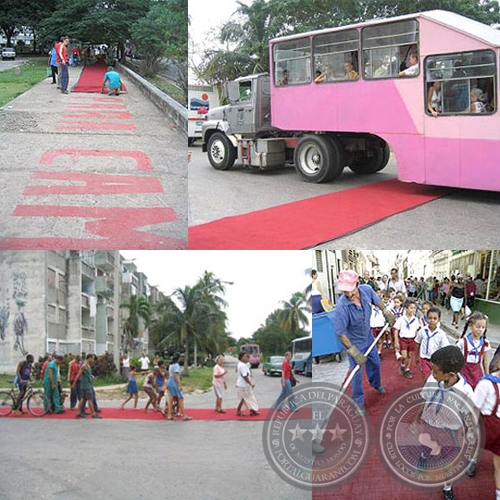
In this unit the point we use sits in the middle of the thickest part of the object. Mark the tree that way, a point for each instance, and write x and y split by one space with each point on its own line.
138 308
292 316
162 34
94 21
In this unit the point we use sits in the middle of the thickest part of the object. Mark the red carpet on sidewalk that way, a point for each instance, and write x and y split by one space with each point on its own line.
374 482
91 78
130 414
306 223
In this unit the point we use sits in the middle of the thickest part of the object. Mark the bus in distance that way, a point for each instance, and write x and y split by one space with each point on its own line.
423 86
253 351
302 356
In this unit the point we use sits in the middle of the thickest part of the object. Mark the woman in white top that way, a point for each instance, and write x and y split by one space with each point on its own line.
219 383
434 99
126 365
244 387
316 293
476 106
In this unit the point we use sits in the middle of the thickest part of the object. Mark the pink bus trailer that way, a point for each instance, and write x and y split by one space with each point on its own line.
422 85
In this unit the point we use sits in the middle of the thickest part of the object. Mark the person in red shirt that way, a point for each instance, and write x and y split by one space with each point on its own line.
63 61
73 369
286 393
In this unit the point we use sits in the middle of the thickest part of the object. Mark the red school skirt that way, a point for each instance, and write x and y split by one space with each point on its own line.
492 431
472 372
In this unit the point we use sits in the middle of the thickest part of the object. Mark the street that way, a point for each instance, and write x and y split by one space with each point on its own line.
125 459
461 219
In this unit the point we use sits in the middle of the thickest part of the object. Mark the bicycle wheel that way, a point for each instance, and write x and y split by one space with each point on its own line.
6 404
38 404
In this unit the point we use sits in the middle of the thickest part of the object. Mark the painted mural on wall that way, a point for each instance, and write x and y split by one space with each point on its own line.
20 295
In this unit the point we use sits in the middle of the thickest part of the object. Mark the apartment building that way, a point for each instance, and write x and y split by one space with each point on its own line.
66 302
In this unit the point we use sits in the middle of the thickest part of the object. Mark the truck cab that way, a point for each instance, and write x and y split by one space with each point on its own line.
240 129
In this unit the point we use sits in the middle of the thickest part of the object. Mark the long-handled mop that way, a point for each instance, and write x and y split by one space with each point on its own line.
317 447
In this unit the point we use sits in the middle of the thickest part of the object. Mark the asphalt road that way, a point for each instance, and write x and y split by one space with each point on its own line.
7 64
462 219
134 459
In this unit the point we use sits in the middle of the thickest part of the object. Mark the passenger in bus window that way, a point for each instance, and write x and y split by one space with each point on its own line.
326 76
434 99
350 73
284 79
412 70
379 70
476 104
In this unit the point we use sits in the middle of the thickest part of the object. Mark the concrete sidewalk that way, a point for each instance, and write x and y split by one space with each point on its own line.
91 171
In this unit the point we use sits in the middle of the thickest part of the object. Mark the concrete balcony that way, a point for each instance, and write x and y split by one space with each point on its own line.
105 260
88 332
104 286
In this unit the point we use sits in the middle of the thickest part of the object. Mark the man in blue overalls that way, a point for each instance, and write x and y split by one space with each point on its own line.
351 318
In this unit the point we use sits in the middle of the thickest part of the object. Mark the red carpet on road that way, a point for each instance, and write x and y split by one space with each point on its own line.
139 414
91 78
306 223
374 482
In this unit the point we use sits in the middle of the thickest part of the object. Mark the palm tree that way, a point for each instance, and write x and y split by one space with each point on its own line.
292 316
138 308
186 319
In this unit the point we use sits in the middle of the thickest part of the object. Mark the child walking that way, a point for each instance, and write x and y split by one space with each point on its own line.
405 330
429 339
132 390
175 390
474 346
443 388
425 309
487 399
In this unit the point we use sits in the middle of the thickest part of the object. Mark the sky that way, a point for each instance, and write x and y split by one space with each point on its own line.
261 279
205 16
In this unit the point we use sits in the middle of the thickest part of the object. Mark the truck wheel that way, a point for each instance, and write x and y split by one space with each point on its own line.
221 152
319 158
370 164
190 141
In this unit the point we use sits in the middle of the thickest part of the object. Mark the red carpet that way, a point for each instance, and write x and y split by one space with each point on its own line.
374 482
130 414
306 223
91 79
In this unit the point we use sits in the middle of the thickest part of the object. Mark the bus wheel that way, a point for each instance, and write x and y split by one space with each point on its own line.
319 158
221 152
365 164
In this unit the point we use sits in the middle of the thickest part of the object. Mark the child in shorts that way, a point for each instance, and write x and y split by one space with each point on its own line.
405 330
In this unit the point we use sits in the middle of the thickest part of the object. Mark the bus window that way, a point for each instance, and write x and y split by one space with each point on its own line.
386 48
295 57
336 56
467 81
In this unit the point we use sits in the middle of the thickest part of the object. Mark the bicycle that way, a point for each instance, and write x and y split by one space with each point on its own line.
36 401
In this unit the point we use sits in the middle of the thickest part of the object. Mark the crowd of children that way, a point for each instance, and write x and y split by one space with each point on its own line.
420 343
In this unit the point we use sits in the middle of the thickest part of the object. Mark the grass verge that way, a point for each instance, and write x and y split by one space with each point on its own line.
16 81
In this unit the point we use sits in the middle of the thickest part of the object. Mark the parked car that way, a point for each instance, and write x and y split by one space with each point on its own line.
8 53
273 365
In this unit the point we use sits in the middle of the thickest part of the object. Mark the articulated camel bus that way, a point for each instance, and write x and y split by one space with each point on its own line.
424 86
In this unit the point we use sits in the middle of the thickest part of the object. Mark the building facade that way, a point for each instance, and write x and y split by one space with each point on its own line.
66 302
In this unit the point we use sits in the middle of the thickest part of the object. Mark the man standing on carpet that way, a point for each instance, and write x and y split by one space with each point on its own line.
112 81
351 318
63 61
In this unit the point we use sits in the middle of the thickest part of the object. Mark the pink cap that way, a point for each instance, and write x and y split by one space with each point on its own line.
348 280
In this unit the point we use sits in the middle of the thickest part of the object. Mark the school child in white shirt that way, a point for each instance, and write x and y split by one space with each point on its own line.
487 399
405 330
444 391
424 308
474 346
429 339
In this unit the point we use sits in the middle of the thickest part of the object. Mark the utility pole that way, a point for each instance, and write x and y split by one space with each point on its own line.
116 310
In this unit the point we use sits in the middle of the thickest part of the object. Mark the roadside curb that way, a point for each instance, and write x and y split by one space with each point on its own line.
169 106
